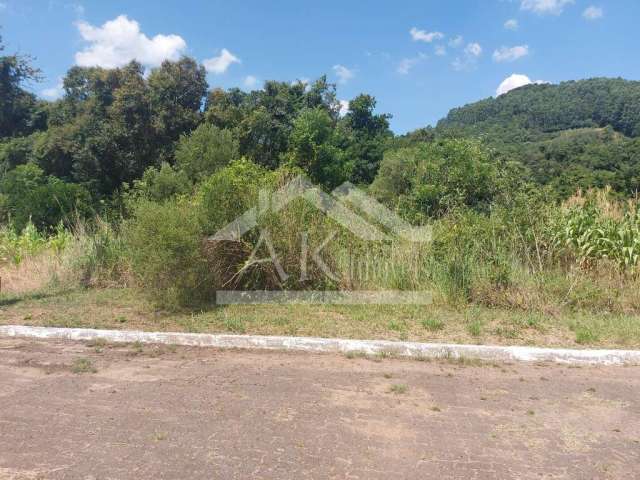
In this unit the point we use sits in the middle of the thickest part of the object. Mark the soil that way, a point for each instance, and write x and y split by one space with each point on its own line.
143 412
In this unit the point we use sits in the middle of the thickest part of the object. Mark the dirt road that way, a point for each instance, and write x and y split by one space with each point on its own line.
78 411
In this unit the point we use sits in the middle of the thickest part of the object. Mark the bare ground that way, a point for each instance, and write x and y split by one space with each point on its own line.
92 411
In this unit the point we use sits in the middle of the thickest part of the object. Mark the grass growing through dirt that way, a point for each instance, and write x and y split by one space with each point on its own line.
398 389
83 365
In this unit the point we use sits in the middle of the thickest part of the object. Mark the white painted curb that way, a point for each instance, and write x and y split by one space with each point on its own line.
337 345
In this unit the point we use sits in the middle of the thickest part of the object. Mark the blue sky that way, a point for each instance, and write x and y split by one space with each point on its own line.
419 58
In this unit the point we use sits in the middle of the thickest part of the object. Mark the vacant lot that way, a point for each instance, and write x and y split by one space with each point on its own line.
97 411
123 308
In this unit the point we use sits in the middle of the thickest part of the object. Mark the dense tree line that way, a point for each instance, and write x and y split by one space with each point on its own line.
114 128
123 133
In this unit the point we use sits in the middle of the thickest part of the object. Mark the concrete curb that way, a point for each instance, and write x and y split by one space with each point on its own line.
337 345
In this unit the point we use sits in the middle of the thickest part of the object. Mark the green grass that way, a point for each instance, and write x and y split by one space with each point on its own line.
398 389
83 365
433 324
122 308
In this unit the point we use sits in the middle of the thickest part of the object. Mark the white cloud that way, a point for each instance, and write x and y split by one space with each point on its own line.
440 50
515 81
473 49
221 63
344 107
471 54
250 81
510 54
406 64
120 40
343 73
424 36
593 13
53 93
544 7
456 41
511 24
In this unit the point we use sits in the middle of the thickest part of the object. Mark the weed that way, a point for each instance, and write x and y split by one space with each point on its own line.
83 365
398 389
234 325
475 328
397 326
433 324
585 335
351 354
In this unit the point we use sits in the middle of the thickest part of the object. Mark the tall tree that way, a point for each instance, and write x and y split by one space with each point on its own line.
177 91
17 106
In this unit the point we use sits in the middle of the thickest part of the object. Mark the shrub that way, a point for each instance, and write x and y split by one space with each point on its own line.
205 150
161 184
97 256
43 200
231 191
432 179
164 243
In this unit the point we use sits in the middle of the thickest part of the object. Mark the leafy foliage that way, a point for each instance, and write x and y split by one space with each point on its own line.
431 179
31 196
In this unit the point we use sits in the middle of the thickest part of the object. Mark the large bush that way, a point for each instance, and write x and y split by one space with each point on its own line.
164 241
30 195
205 150
431 179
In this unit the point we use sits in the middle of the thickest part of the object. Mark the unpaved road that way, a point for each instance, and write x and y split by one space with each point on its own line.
158 413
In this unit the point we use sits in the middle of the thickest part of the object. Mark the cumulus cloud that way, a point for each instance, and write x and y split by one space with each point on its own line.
515 81
511 24
440 51
473 49
510 54
344 107
593 13
544 7
470 56
53 93
424 36
221 63
120 40
343 73
250 81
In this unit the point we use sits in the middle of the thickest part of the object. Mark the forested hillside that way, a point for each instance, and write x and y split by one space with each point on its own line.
528 112
577 134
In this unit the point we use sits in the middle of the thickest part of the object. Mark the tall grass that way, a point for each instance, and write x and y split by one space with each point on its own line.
85 255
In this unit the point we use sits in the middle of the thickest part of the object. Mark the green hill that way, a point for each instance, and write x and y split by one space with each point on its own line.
535 110
577 134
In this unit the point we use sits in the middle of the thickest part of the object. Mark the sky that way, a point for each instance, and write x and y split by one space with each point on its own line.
419 58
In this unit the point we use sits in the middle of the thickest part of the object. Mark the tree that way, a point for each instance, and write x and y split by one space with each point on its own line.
313 148
46 201
205 150
364 136
177 90
432 179
17 106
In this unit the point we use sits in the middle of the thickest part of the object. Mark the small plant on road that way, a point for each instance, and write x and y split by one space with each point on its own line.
83 365
398 389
